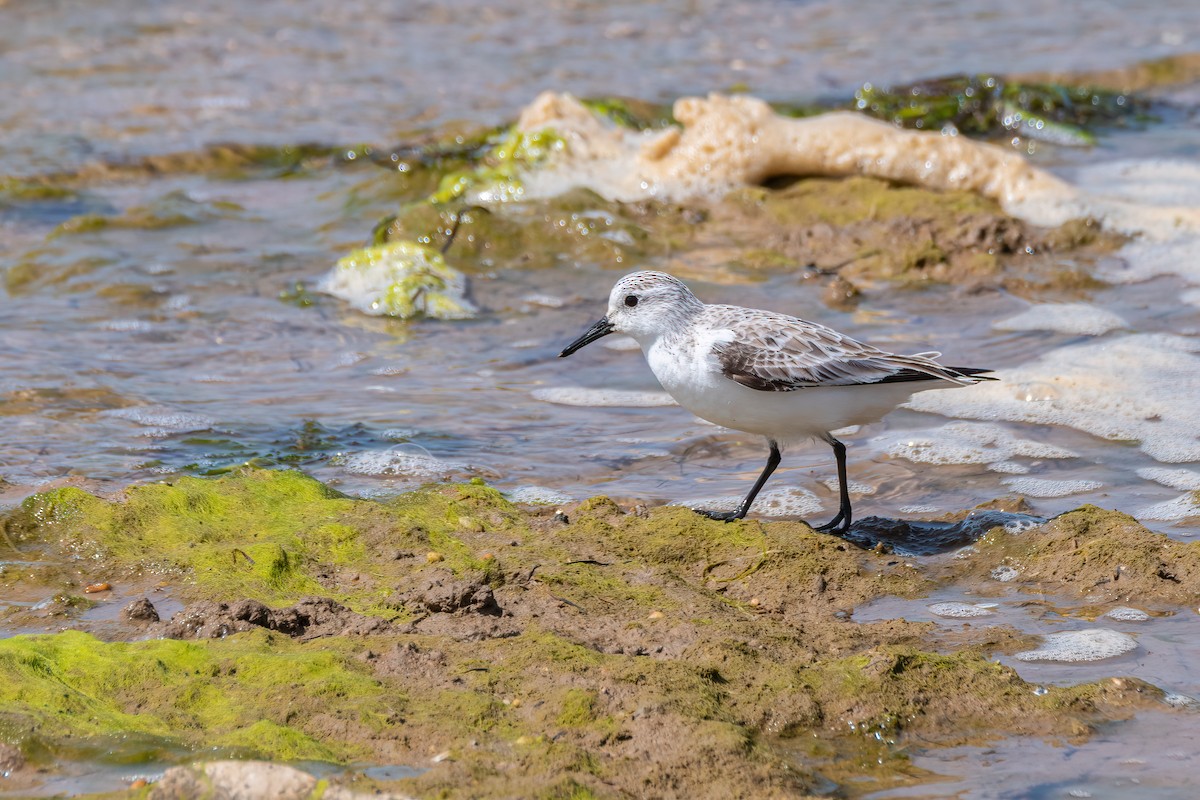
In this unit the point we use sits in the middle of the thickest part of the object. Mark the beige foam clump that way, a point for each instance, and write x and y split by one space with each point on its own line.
734 141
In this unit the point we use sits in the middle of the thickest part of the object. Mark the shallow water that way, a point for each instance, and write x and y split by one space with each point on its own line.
134 355
1153 755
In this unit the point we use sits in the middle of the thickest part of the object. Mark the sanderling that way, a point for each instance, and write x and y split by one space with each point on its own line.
762 372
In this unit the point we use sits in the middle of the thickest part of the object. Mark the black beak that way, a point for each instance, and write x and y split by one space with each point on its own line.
601 328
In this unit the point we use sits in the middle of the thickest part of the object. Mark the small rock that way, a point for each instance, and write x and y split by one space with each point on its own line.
96 587
442 594
141 610
841 295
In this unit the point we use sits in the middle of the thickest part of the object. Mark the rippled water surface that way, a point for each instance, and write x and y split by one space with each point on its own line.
132 354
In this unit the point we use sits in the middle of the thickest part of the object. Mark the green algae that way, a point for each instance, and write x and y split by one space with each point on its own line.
402 279
497 175
282 522
252 694
990 106
631 113
14 189
172 210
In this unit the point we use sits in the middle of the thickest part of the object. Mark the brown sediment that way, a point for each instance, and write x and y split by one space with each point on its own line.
1093 556
1140 77
866 231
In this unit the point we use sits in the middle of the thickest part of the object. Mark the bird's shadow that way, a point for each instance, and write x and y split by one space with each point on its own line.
921 538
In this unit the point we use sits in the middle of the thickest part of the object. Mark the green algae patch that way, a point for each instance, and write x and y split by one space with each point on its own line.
257 534
496 178
25 190
992 106
170 211
1096 555
252 694
270 535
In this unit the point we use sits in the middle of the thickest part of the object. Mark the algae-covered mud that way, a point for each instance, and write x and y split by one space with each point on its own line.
291 476
593 651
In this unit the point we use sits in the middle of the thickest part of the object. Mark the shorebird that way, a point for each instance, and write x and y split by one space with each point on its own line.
766 373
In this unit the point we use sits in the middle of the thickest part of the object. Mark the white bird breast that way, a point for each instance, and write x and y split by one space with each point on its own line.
689 372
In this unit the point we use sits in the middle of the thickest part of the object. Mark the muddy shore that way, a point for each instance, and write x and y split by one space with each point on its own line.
592 650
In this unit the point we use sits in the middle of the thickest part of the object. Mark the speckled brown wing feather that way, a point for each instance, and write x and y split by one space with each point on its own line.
778 353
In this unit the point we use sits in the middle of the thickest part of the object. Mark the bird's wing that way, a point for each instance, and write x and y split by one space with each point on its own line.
778 353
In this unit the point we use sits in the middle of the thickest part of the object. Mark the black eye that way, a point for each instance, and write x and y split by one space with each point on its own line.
631 300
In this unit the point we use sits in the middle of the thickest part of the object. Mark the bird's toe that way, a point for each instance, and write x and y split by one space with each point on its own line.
720 516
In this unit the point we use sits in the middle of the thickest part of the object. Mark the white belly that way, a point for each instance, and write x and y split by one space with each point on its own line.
698 385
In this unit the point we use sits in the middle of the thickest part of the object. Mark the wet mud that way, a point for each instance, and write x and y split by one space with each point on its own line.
595 650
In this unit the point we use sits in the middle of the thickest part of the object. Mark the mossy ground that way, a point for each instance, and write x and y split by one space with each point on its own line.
636 652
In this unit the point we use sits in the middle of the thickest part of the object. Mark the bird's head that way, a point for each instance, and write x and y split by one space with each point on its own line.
643 305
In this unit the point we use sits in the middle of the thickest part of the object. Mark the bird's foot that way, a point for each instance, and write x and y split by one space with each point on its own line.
720 516
839 524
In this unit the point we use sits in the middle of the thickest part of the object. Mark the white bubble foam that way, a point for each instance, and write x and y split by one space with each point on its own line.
955 610
601 398
1127 614
1092 644
1185 480
538 495
1178 700
854 487
1181 507
1005 573
162 419
1143 260
787 502
1153 199
1016 526
127 325
918 509
399 462
1041 487
1079 319
544 300
1141 387
967 443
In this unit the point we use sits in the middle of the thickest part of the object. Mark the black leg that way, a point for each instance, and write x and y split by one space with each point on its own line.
729 516
840 523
